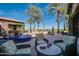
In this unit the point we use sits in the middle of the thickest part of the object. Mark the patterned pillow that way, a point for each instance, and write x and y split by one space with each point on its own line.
69 39
10 47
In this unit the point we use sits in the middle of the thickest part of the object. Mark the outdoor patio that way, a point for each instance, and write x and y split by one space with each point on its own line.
52 39
50 30
56 40
48 37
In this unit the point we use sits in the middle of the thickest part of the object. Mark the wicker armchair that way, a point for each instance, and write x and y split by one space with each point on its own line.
12 49
67 45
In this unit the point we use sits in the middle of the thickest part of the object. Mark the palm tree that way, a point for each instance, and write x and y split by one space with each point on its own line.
43 26
35 13
56 8
65 19
30 22
64 26
38 17
30 12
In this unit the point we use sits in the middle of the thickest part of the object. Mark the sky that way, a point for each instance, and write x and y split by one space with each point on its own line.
18 11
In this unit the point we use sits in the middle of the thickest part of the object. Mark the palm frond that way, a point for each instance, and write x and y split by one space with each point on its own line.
51 9
30 21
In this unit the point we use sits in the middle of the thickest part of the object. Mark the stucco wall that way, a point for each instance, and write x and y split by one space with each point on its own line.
4 24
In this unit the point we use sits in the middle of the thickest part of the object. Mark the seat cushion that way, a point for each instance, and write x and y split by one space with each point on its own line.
24 51
61 45
39 36
41 41
69 39
10 47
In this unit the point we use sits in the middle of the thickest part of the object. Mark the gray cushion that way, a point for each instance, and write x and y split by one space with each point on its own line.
69 39
10 47
41 41
24 51
61 45
39 36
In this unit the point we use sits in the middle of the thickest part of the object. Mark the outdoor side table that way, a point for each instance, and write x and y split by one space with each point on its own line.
53 50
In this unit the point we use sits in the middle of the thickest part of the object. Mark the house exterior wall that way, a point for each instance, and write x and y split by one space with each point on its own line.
5 25
73 19
74 7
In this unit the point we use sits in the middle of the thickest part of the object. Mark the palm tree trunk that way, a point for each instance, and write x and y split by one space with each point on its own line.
43 27
34 26
30 28
58 16
64 26
38 26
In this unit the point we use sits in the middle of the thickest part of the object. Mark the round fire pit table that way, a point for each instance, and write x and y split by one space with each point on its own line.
43 50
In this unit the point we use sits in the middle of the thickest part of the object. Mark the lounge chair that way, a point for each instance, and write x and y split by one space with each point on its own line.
20 39
67 45
40 39
12 50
